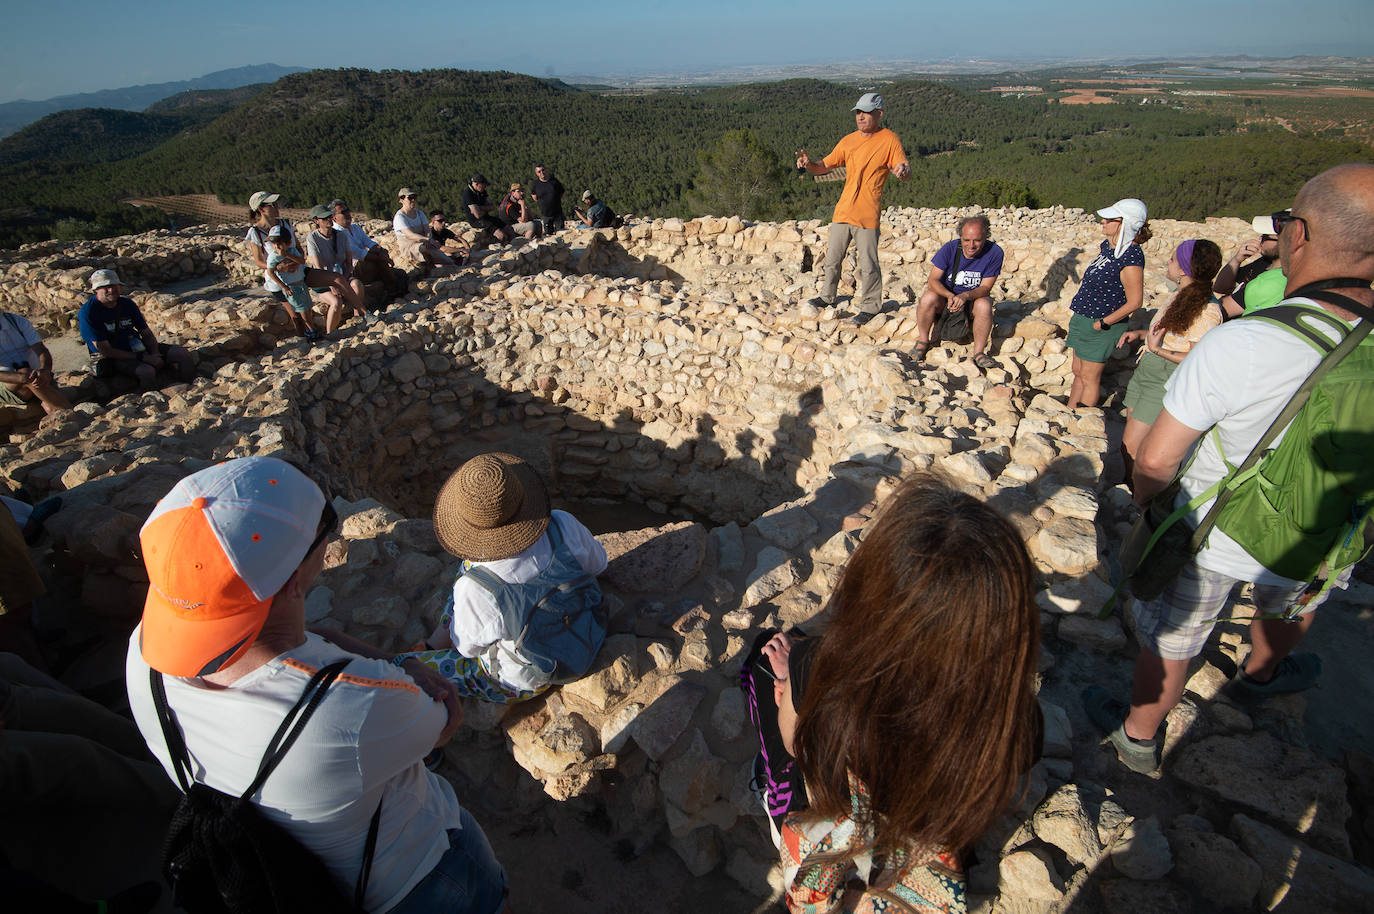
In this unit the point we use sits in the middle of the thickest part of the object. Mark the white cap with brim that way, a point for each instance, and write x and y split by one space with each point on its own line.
1132 214
261 197
102 278
869 102
1264 225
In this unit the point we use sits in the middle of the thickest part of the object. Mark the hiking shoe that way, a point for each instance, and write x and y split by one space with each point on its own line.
1295 673
312 335
1109 716
859 318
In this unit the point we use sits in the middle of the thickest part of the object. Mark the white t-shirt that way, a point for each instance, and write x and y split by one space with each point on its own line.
17 336
257 238
419 223
477 621
364 744
1238 377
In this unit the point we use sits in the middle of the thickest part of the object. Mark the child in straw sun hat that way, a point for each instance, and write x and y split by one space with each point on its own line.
525 611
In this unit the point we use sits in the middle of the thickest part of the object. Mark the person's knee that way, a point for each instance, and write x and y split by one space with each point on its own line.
930 302
983 307
145 373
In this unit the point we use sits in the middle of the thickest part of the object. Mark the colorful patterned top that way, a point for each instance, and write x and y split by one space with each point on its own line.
830 865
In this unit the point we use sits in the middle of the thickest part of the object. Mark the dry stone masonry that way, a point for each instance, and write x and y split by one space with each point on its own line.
668 364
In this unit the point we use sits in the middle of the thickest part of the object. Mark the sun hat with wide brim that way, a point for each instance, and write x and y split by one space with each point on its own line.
493 507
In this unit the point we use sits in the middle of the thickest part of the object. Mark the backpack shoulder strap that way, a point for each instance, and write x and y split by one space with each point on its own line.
294 722
1299 319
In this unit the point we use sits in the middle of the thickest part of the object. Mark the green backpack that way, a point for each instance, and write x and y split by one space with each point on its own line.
1301 509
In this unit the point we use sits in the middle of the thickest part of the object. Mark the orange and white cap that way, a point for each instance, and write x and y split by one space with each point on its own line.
218 548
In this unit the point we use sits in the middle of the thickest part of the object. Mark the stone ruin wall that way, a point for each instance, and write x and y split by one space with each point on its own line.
667 363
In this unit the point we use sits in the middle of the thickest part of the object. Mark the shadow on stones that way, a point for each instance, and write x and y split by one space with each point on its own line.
1063 269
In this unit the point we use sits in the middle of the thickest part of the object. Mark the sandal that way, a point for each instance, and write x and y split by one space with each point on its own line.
984 361
918 352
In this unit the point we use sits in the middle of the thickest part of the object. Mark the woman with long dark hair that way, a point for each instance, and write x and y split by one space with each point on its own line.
1173 331
913 715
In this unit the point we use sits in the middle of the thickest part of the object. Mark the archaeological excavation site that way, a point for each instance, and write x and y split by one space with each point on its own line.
728 447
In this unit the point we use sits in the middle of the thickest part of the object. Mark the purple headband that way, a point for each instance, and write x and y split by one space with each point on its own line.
1184 253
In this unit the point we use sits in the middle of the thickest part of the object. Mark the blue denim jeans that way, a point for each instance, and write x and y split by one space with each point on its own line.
467 880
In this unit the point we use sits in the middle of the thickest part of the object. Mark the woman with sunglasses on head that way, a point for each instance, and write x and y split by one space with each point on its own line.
1113 287
1173 331
413 236
265 215
913 714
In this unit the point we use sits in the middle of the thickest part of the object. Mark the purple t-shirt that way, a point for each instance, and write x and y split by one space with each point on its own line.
1102 292
971 272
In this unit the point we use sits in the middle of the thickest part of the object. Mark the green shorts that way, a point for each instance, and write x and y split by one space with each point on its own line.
10 398
1092 345
1145 393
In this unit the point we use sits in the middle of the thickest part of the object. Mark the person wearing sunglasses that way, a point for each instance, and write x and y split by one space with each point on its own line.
412 234
231 553
1259 283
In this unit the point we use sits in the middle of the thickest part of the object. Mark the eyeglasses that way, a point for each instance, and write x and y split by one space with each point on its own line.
344 212
408 197
1281 220
440 219
329 520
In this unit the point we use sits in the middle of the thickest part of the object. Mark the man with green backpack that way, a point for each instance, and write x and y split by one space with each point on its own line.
1271 418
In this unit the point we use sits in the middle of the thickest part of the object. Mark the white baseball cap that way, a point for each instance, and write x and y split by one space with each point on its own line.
102 278
869 101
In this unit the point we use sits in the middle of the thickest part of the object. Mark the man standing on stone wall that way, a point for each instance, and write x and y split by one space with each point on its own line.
1228 391
869 155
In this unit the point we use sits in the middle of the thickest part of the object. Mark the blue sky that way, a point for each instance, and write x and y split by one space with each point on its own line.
64 46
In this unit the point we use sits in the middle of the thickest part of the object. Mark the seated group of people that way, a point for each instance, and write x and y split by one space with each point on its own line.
427 238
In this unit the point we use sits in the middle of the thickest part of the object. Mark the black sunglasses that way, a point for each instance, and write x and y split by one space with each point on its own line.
1281 220
329 521
408 197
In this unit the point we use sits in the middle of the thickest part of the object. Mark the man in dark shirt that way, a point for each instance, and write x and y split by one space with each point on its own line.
479 209
447 238
120 340
548 193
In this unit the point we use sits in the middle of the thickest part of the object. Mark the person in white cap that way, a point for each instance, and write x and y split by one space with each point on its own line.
1113 288
119 340
1259 283
869 155
26 367
231 553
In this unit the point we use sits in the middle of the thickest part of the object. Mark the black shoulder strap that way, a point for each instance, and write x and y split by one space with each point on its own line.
954 268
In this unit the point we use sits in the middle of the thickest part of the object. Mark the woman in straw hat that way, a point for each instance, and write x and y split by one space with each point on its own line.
493 513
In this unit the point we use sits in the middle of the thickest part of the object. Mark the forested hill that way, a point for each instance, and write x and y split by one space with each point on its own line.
361 134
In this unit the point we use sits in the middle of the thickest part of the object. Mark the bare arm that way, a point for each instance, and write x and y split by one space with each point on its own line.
1160 455
1154 341
935 283
815 168
1225 283
1133 280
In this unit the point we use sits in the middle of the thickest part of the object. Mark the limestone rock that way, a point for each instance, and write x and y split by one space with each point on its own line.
1058 731
691 781
1301 789
1127 896
774 571
1065 821
1297 879
656 560
668 702
1067 544
1030 874
1092 632
1141 851
729 547
1215 868
786 526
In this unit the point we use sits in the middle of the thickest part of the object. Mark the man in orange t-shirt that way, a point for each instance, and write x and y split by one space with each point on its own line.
869 155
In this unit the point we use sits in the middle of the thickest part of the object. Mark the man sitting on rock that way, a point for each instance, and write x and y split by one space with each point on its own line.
26 367
961 276
522 564
515 212
231 553
480 211
452 243
375 263
595 213
119 339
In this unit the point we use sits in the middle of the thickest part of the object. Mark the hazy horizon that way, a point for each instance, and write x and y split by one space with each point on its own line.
139 43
